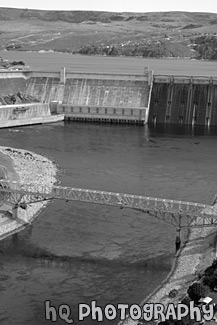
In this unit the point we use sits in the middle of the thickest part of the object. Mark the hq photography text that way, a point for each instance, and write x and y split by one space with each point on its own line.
146 312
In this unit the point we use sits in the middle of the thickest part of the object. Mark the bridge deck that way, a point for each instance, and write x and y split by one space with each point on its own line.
15 196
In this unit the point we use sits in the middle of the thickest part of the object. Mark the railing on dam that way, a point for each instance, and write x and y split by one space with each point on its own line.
182 79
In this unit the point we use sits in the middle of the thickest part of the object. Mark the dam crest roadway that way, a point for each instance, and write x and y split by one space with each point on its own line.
180 214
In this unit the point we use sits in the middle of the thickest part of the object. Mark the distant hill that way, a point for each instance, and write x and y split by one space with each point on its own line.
154 34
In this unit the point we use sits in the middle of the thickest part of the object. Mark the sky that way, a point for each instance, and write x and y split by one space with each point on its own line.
115 5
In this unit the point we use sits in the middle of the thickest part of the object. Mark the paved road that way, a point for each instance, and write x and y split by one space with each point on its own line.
6 172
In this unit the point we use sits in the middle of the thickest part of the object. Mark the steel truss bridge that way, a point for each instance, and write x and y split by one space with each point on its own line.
179 214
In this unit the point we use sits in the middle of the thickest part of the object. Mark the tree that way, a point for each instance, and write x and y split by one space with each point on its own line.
214 263
196 291
210 281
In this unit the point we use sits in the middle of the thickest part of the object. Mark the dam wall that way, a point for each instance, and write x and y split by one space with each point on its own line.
94 96
122 98
183 100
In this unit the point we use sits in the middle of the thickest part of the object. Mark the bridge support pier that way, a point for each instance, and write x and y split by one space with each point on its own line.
15 211
178 235
14 216
178 239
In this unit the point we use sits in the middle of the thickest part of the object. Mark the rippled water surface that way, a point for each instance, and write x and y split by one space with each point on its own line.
77 252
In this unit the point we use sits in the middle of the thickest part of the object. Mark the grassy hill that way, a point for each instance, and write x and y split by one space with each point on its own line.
155 34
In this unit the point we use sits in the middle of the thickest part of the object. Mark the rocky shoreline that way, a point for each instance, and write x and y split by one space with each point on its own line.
30 168
197 254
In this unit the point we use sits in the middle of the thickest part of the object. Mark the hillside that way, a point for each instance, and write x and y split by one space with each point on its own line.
155 34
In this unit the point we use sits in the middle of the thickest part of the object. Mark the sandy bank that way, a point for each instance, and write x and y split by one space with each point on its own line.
30 168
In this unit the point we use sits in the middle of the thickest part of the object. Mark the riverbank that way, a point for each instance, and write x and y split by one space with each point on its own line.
195 255
27 167
198 253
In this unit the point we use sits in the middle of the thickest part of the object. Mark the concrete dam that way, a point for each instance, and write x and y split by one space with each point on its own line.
123 98
183 100
95 97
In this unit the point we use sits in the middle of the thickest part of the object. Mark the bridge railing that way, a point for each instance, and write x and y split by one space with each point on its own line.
143 203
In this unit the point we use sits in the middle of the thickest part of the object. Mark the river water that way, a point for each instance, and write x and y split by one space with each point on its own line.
76 252
107 64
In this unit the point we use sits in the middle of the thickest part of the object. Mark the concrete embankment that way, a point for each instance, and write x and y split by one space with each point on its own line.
26 114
